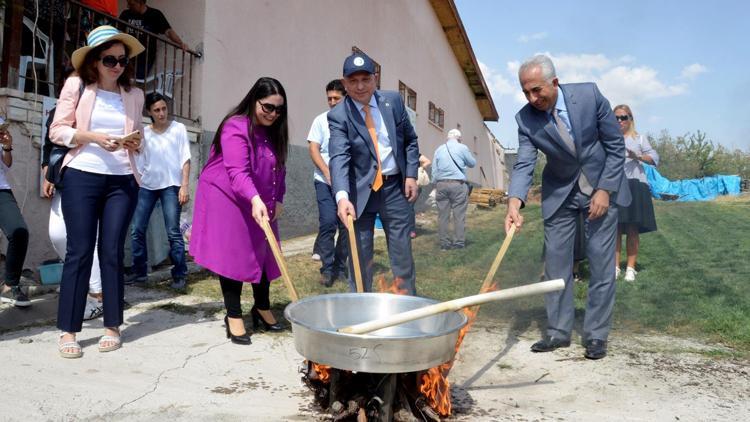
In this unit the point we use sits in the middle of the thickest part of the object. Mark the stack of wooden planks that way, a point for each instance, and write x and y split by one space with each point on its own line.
485 197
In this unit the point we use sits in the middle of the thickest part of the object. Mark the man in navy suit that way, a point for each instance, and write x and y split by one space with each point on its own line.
573 125
373 165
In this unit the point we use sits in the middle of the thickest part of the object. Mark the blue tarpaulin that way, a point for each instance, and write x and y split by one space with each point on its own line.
704 189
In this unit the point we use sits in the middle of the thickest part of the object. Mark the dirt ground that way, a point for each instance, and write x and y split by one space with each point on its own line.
644 378
176 364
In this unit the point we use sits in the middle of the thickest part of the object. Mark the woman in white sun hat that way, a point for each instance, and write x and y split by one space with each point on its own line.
97 107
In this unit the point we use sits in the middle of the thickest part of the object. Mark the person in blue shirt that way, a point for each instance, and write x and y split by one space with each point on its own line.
452 189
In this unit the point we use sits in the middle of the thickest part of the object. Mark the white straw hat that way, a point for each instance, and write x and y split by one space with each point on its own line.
101 35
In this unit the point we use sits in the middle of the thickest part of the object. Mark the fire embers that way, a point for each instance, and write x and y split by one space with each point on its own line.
350 396
434 383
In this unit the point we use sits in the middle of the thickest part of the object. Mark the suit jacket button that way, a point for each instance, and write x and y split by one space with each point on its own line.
370 186
375 167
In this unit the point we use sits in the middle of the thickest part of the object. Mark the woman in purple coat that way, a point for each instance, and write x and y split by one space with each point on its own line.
241 185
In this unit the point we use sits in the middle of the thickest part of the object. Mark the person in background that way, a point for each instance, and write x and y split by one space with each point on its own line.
164 165
13 226
105 6
452 189
242 187
638 217
333 252
57 232
422 180
153 20
100 187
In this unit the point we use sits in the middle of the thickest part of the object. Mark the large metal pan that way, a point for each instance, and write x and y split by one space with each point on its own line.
414 346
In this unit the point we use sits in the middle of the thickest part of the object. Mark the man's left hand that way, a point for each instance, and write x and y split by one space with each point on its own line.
411 191
599 204
184 196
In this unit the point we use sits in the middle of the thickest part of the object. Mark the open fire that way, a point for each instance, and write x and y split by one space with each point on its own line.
423 395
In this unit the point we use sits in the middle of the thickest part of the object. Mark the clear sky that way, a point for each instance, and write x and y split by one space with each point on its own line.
681 65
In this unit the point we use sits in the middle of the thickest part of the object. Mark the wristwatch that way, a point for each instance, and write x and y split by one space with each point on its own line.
7 149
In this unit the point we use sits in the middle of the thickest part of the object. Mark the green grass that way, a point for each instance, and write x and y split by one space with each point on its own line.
693 279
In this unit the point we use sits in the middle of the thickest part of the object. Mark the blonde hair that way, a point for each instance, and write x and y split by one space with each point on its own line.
631 131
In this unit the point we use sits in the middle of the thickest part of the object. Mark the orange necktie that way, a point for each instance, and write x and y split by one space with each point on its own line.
378 182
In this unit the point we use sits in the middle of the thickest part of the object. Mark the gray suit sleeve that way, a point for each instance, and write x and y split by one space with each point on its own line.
523 170
340 156
612 142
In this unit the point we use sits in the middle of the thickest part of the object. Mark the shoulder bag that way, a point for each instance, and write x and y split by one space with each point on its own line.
58 152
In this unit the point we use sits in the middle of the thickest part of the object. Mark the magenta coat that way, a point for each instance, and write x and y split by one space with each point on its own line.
225 238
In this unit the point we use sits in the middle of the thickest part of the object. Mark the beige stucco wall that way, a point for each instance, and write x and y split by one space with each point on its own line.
304 43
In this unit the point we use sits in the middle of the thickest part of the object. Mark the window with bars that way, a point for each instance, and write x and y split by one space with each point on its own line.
408 95
436 115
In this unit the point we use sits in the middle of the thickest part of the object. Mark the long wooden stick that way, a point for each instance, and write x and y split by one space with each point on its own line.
280 260
355 255
498 259
454 305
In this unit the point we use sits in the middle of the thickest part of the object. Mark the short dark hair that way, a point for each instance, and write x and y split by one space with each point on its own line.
89 74
336 85
153 98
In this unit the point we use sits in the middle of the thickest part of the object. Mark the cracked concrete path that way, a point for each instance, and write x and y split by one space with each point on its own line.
174 363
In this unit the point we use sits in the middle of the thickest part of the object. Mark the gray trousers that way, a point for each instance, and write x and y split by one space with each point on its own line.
559 239
395 213
452 197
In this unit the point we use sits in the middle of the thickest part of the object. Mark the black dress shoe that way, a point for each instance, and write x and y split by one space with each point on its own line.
596 349
243 339
258 321
548 344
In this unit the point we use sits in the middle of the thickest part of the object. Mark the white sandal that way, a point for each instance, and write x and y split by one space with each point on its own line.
115 340
75 354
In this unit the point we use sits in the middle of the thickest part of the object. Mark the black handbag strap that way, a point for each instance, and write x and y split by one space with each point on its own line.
452 159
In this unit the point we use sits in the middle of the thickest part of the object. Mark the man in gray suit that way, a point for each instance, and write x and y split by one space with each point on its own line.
573 125
374 158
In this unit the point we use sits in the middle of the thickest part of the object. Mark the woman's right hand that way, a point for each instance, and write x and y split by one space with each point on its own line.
48 189
260 212
108 142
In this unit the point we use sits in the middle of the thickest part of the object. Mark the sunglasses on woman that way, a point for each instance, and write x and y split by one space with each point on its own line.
270 108
622 118
112 61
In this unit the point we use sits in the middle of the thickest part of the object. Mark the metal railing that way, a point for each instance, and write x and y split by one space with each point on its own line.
61 27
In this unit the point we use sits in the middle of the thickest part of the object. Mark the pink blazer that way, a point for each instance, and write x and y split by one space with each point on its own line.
68 119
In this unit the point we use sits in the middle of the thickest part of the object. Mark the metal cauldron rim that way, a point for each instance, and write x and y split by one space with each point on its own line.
427 301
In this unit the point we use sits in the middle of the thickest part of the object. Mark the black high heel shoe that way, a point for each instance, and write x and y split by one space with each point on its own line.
243 339
258 320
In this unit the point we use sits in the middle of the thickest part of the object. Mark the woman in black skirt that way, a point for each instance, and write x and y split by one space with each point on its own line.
639 216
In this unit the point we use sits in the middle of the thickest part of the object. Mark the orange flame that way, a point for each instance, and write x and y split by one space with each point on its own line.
323 372
396 288
435 386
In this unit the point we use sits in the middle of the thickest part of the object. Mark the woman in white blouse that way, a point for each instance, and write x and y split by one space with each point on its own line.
638 217
96 108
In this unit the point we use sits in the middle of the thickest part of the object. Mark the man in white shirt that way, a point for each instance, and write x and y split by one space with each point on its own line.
332 257
164 164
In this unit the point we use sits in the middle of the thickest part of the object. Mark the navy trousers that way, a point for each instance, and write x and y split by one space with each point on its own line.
89 199
395 213
333 253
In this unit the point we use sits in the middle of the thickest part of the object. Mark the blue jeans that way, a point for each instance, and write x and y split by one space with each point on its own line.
332 256
171 208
